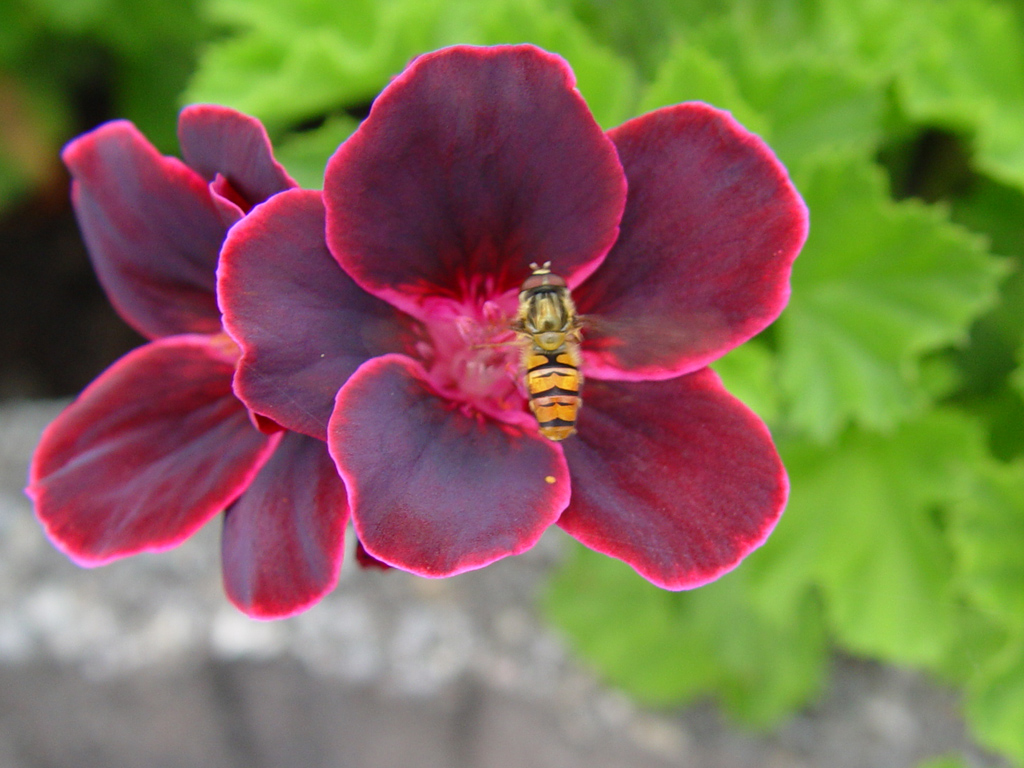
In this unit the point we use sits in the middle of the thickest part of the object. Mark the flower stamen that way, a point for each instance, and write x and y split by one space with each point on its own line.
471 356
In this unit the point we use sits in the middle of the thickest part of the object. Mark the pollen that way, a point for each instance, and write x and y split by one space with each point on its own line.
549 480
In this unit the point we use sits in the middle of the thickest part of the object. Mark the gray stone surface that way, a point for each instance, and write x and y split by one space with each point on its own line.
144 663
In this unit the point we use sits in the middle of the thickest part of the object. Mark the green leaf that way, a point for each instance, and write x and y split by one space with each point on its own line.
994 210
864 525
817 107
667 648
127 26
808 102
120 57
149 89
305 154
878 285
865 528
946 761
769 666
988 533
995 701
286 62
749 372
628 629
639 31
953 63
1002 413
606 80
691 74
144 52
980 637
75 16
969 75
289 62
1017 378
992 352
815 101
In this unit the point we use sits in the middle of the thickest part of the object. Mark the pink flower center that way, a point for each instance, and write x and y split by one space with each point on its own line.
472 356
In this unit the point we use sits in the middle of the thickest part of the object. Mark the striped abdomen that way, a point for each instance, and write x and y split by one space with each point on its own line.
553 380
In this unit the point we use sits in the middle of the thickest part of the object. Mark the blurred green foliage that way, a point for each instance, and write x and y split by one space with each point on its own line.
946 761
307 68
894 382
66 64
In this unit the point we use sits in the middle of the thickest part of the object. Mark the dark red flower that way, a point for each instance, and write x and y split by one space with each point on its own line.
390 335
159 444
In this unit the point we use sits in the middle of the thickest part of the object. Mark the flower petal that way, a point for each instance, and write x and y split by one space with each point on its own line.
711 228
678 478
152 231
229 203
302 324
218 140
473 163
368 561
284 538
149 452
434 490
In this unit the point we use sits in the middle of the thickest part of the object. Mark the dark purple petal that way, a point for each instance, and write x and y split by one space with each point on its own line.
473 163
149 452
711 228
284 538
434 490
366 560
678 478
230 204
152 230
217 140
302 324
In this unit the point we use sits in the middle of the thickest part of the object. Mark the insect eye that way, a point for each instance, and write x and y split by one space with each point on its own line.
533 281
546 278
555 280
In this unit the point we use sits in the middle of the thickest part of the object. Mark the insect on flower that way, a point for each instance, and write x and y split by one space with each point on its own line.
549 334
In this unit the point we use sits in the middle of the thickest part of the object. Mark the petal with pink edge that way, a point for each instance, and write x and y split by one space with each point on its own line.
678 478
473 163
230 205
150 451
284 538
218 140
711 228
152 231
368 561
303 325
434 490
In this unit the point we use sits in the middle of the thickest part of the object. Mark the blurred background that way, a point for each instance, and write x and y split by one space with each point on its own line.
883 622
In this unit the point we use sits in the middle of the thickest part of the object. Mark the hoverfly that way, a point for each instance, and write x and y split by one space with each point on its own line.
549 335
